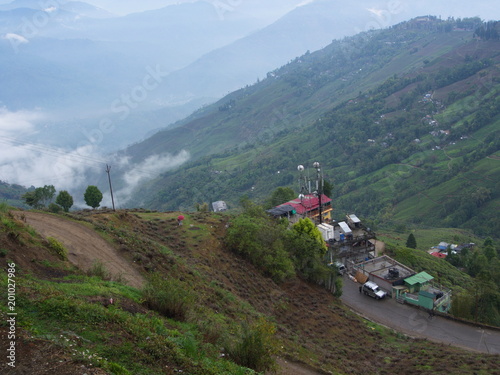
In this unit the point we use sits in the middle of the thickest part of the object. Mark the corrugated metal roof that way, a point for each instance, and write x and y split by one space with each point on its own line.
307 204
419 278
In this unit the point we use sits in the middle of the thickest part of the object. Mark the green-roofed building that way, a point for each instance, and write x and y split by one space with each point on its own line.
420 292
416 282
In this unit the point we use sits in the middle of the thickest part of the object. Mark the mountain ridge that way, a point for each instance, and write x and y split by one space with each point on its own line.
426 61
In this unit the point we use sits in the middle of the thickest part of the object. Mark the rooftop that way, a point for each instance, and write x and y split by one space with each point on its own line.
419 278
307 204
386 268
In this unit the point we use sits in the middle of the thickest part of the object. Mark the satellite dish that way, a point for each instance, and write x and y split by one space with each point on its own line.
301 196
300 168
316 164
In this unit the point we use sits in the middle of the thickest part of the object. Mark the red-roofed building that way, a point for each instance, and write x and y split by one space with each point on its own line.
438 255
308 206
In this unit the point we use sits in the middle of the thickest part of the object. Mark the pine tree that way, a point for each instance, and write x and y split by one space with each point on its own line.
411 242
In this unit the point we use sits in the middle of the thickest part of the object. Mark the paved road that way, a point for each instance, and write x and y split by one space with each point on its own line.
416 323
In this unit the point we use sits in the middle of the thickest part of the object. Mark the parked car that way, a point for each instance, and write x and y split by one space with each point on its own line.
373 290
341 269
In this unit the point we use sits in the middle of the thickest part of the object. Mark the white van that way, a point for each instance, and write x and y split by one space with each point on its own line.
373 290
341 269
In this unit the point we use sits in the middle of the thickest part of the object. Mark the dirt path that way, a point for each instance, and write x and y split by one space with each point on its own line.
84 245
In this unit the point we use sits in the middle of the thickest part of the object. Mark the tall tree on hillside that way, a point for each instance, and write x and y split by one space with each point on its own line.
40 197
65 200
411 242
93 196
307 248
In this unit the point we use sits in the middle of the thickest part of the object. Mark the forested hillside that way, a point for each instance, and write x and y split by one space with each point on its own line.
405 123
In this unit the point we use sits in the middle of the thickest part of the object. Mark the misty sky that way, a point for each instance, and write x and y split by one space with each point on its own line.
37 165
272 9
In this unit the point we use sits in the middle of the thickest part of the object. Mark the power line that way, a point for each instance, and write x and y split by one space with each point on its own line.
52 151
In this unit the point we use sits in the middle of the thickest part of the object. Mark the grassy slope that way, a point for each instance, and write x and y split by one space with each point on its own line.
62 319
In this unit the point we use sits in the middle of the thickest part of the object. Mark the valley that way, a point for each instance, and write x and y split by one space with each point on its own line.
202 188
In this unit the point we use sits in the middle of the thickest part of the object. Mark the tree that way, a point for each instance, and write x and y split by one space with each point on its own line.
65 200
93 196
411 242
327 188
281 195
32 199
307 248
40 197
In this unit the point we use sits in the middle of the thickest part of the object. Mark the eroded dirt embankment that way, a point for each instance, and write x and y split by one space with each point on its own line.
84 245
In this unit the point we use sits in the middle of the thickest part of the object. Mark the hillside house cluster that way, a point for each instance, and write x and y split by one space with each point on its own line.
441 250
403 283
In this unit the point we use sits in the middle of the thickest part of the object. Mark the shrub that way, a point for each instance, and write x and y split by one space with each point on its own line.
55 208
58 248
99 269
256 347
260 240
168 297
4 207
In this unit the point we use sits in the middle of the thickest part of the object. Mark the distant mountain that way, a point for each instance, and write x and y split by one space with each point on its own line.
75 62
308 27
404 122
78 8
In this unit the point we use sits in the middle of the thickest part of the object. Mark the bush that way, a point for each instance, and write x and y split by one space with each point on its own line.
58 248
168 297
55 208
99 269
256 347
260 240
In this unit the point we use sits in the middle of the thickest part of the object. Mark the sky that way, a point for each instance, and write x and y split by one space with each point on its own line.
270 9
35 164
273 9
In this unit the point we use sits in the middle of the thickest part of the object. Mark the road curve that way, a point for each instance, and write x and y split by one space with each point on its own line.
417 323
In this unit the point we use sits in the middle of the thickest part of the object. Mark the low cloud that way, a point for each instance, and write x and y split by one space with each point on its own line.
27 164
16 38
150 168
13 124
31 164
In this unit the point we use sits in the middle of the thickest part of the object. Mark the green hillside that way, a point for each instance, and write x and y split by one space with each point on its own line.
405 123
202 309
11 194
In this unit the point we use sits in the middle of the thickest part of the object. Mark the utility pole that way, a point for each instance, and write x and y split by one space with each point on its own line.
319 189
307 182
108 169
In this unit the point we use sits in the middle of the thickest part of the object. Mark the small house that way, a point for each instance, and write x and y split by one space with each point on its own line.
308 206
420 292
327 231
443 246
353 221
219 206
